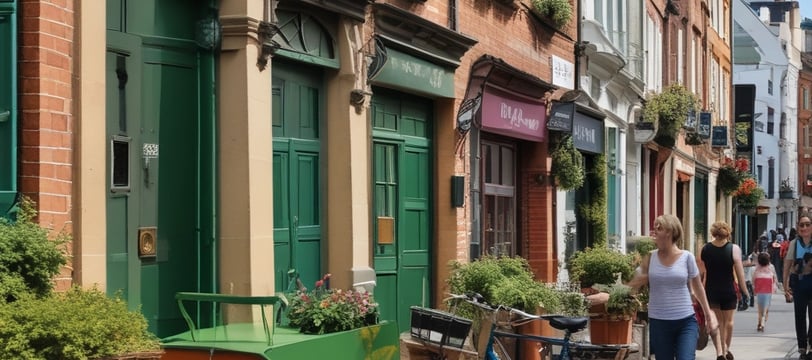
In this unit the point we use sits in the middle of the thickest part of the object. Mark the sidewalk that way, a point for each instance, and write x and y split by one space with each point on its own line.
776 342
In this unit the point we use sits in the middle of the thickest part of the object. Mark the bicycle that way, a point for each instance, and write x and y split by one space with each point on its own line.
569 350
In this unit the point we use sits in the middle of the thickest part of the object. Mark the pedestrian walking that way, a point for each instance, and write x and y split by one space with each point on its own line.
749 264
720 261
673 328
765 282
798 281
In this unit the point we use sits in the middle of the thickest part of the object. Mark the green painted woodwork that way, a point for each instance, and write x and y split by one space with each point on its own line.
303 37
701 204
167 105
8 106
123 114
256 332
297 103
401 155
612 184
377 342
404 71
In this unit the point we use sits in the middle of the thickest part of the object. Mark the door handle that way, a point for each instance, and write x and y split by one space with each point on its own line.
5 115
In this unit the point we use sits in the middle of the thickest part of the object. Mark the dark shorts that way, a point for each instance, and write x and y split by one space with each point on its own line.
723 300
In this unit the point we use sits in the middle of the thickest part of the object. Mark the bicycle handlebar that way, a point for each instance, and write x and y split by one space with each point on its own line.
476 299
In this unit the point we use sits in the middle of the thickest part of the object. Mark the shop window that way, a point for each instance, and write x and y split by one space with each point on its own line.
499 200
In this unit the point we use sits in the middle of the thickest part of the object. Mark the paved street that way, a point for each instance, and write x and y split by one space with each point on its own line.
776 342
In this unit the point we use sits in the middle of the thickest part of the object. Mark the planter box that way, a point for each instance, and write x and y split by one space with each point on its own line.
786 194
605 331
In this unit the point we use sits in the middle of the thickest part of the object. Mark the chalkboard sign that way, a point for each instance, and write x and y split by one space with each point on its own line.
560 118
704 128
719 136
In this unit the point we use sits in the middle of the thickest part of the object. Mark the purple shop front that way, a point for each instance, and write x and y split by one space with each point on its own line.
513 116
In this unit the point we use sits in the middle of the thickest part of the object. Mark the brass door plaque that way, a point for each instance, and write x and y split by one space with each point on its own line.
386 230
147 241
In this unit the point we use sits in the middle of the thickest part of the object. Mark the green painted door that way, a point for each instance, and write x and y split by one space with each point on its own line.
123 117
402 194
8 106
297 92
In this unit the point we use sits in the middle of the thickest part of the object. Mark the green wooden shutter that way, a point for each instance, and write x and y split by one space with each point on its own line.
8 105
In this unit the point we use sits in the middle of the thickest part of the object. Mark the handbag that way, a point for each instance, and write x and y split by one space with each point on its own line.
702 340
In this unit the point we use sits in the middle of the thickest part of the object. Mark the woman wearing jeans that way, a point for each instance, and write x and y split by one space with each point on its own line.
672 323
798 280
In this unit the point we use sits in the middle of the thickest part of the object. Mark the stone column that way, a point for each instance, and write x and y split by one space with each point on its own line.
245 155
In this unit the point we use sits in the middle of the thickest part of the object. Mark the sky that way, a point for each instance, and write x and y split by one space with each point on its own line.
806 8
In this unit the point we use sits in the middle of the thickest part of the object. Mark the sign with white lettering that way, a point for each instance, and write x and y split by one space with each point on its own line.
561 116
719 136
587 133
563 72
704 128
512 116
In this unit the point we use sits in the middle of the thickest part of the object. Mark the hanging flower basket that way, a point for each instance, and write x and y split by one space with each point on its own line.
670 109
749 194
731 174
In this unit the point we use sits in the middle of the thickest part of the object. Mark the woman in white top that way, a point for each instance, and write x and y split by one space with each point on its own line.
669 272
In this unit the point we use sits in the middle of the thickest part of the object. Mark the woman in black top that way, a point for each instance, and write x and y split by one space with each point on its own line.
718 261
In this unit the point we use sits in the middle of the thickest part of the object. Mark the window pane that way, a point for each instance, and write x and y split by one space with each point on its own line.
486 163
507 166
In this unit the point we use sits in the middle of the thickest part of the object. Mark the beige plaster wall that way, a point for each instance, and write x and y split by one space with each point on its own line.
90 148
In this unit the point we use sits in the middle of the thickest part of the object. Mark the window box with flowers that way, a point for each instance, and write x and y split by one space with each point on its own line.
324 310
559 12
786 191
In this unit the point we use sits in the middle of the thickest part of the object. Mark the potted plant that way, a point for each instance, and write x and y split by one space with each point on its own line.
786 191
559 11
614 326
670 109
567 165
599 265
503 281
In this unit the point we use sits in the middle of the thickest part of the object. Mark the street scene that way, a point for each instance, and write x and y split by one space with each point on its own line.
404 179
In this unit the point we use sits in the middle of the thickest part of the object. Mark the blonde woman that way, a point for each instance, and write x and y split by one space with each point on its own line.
718 261
673 328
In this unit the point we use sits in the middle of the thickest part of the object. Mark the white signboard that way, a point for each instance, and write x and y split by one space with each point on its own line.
563 72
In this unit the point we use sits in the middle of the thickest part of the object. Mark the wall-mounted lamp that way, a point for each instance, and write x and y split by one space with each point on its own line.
357 99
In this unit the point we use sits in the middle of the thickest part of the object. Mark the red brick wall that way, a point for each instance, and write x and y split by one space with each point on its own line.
46 140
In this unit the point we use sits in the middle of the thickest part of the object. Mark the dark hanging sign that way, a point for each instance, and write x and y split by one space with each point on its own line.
468 112
719 136
704 128
561 117
690 121
744 98
587 133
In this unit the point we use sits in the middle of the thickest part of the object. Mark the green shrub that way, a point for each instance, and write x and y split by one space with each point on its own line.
29 260
77 324
504 281
599 265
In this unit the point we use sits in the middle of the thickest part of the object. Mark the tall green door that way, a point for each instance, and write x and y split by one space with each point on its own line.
297 93
123 117
402 203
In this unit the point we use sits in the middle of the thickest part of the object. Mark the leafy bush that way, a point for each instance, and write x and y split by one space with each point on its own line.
560 11
28 259
599 265
504 281
567 165
78 324
324 310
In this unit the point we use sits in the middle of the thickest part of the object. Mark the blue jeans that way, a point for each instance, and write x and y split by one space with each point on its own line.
674 339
